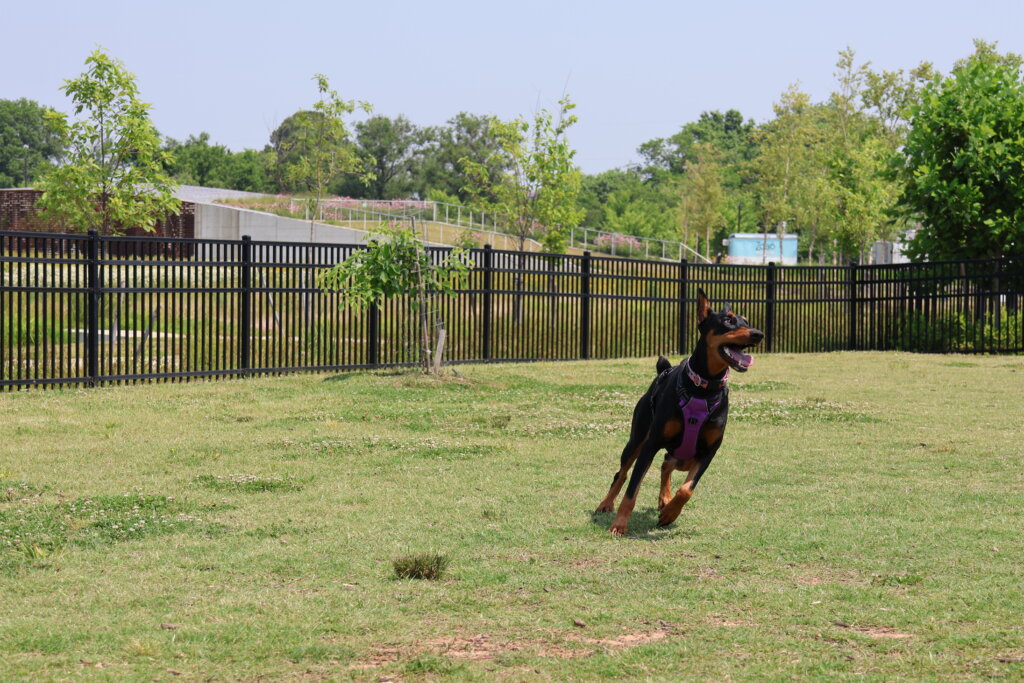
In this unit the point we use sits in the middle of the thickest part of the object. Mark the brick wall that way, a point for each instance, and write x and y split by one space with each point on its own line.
18 212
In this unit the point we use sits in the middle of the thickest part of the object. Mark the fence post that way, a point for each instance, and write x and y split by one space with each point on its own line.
851 342
585 306
769 312
373 334
488 287
245 308
684 318
94 301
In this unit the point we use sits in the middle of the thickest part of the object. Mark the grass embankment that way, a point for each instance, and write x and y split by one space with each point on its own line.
863 520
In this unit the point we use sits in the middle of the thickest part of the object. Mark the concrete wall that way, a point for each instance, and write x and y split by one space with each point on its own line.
217 222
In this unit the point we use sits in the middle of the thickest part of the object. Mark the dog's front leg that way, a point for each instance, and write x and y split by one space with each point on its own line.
643 462
667 468
697 467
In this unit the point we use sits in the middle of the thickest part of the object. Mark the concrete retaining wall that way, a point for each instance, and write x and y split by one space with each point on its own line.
217 222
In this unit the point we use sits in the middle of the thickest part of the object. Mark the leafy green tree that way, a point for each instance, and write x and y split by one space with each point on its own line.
395 263
732 136
250 170
113 173
701 195
289 142
537 194
962 165
387 148
325 152
196 162
438 165
620 201
27 143
788 169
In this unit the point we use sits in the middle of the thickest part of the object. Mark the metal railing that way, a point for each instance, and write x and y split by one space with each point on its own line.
88 310
631 246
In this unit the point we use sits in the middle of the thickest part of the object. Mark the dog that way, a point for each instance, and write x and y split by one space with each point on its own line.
685 411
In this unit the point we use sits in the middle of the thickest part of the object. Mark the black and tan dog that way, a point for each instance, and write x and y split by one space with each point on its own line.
684 411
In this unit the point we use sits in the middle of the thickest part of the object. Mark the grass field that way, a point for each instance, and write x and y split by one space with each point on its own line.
862 521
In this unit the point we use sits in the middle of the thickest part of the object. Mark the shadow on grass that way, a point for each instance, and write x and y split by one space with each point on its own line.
376 372
643 525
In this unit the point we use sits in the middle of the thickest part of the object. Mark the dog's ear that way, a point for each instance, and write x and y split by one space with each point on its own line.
703 306
726 309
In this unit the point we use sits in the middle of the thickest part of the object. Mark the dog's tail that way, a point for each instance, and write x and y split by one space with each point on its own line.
662 365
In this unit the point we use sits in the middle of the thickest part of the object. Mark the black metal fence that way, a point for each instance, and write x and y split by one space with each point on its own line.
85 309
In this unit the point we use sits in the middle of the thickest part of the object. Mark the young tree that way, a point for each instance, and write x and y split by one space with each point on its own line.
325 150
787 168
700 196
395 263
27 143
113 174
537 193
960 167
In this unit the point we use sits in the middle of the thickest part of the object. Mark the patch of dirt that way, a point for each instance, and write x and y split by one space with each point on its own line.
728 622
874 631
842 578
378 658
883 632
481 647
629 639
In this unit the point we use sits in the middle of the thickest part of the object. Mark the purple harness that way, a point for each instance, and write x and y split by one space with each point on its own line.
695 413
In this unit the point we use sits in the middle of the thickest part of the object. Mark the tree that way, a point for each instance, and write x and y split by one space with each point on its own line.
701 194
735 143
387 149
962 165
321 141
395 263
788 170
27 143
197 162
862 196
439 165
113 174
728 132
537 193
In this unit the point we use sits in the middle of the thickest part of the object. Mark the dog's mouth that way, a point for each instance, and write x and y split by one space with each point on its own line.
734 356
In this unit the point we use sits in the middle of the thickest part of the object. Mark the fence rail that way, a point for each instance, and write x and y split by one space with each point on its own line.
90 310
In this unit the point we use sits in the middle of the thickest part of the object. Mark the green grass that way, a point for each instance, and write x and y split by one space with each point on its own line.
862 521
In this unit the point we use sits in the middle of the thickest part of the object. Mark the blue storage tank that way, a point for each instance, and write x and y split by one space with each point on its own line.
752 249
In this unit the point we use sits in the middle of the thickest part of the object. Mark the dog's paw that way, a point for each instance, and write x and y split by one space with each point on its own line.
663 501
604 507
670 512
619 528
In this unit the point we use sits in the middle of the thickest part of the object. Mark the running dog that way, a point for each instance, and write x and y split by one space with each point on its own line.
684 411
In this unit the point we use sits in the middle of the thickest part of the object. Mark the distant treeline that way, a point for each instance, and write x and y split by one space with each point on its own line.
842 172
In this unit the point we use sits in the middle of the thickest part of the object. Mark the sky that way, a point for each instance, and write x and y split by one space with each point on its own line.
637 70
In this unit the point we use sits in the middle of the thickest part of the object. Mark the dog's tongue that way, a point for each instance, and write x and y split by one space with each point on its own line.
742 359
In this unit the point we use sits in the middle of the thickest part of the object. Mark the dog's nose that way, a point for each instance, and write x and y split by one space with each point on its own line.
756 336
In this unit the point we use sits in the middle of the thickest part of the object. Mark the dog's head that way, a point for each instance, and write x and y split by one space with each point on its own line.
725 334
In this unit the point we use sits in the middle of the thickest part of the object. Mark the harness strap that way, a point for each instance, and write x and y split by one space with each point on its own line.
695 414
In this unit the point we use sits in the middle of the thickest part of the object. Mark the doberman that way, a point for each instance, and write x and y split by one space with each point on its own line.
684 411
